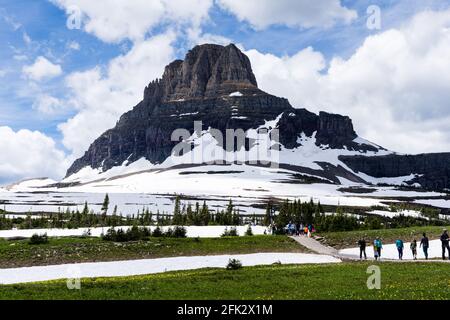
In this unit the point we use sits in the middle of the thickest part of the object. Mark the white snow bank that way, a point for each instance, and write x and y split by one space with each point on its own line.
389 251
441 203
31 183
192 231
397 181
150 266
236 94
390 214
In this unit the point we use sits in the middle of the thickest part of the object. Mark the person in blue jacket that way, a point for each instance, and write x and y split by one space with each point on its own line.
400 246
377 246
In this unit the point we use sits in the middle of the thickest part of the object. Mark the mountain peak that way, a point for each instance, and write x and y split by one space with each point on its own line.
208 70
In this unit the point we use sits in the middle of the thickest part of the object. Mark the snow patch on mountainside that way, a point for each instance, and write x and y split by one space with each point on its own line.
31 183
88 174
397 181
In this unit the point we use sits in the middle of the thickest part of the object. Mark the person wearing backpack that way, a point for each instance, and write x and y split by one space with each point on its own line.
377 246
400 246
425 244
413 247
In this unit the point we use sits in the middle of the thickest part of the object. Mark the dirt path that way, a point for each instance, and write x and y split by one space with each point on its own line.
317 247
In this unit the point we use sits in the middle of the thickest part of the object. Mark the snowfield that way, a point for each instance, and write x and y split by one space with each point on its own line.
249 188
150 266
389 251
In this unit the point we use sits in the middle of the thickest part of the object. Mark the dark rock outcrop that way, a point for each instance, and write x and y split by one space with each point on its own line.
207 71
432 170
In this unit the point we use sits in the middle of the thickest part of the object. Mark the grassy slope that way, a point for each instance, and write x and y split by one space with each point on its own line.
349 239
70 250
342 281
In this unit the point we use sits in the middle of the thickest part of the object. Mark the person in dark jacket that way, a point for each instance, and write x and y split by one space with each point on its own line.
362 248
445 244
425 244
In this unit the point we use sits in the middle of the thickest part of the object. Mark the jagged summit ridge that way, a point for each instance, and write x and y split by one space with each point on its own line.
207 71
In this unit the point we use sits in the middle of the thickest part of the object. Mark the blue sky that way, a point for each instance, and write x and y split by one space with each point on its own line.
48 103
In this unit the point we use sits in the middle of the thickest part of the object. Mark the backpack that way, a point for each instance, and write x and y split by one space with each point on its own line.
378 243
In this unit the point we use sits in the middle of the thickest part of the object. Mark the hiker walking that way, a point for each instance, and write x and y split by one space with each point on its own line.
377 246
362 248
445 244
425 244
413 247
400 246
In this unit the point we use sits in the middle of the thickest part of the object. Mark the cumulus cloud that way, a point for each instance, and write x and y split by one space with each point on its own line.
42 69
293 13
102 96
47 104
29 154
133 19
396 86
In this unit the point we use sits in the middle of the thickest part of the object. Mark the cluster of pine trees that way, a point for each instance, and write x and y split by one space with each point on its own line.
306 213
136 233
296 212
202 216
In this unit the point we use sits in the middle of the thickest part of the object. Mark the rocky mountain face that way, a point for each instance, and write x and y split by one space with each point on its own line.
216 85
432 170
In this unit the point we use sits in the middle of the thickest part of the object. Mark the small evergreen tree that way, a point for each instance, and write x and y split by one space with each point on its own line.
268 215
105 205
249 231
177 218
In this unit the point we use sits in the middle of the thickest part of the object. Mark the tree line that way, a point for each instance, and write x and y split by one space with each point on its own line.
276 215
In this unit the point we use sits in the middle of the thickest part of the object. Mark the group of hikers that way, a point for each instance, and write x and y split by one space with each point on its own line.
299 229
424 244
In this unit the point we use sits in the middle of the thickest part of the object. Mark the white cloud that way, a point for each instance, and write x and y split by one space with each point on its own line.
42 69
26 38
74 45
396 86
9 20
293 13
133 19
102 97
20 57
48 105
29 154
